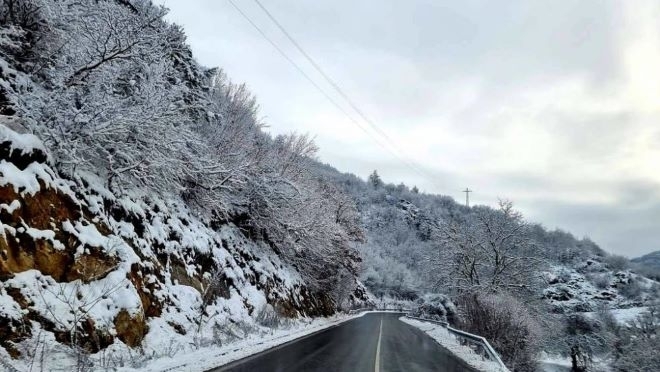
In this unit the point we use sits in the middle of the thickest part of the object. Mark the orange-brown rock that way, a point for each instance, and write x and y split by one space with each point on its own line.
22 253
40 210
150 303
90 267
130 329
47 210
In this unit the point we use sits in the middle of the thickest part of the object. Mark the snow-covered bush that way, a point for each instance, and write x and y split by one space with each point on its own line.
638 348
436 307
267 316
486 250
600 280
632 289
506 323
616 263
584 337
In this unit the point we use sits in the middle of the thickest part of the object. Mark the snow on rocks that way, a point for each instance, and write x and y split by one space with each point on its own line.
204 358
569 290
121 273
623 316
69 302
13 144
8 308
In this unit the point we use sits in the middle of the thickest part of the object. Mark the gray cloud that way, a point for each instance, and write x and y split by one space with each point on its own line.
552 104
616 228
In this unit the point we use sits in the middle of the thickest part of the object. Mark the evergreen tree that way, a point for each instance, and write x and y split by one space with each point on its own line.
375 180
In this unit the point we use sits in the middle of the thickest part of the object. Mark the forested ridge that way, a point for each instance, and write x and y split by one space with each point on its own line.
526 288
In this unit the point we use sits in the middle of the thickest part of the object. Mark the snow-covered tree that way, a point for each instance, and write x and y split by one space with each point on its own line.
113 90
487 250
375 180
507 324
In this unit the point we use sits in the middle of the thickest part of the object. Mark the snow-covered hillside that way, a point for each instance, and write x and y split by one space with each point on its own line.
569 296
649 264
82 266
592 286
144 210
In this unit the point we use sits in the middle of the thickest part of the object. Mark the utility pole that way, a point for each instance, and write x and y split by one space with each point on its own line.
467 196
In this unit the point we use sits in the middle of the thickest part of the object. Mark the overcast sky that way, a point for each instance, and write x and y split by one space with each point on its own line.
552 104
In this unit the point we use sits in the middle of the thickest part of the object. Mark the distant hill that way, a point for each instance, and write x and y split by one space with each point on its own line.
652 258
651 261
402 226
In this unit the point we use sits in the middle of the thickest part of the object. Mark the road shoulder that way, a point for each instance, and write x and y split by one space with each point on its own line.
449 342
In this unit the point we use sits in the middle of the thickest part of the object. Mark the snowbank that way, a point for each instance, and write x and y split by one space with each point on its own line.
206 358
449 342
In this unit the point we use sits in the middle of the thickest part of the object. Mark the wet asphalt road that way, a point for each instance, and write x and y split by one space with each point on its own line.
353 347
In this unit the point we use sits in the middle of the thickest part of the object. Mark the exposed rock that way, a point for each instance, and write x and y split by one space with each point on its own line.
151 305
19 157
47 211
168 262
11 332
130 329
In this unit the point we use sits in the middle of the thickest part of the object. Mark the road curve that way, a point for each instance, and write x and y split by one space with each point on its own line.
375 342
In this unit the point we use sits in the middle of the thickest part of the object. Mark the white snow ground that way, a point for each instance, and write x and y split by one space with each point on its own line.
449 342
554 363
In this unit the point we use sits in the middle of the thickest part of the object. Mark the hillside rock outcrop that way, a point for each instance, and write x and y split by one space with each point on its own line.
95 269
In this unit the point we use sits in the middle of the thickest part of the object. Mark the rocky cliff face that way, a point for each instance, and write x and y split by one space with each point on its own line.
98 270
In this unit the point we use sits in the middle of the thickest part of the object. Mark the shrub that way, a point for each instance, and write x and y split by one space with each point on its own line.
584 337
601 281
616 263
639 345
268 317
507 324
632 290
436 307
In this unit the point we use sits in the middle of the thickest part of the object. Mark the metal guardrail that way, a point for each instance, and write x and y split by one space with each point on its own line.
356 311
477 343
394 309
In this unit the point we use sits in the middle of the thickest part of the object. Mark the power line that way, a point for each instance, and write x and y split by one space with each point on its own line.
332 83
304 74
341 92
324 74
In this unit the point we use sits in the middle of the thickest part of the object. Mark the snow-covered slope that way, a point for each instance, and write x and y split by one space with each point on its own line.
569 290
80 265
402 228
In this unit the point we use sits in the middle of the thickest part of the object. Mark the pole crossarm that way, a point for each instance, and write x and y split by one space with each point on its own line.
467 192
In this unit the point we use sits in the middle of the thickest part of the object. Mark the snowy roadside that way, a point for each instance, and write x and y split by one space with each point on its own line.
554 363
449 342
207 358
